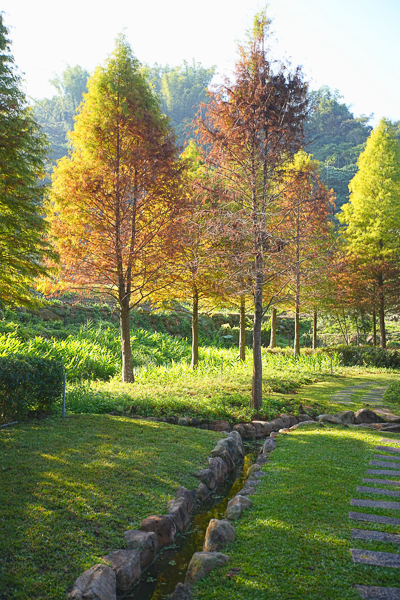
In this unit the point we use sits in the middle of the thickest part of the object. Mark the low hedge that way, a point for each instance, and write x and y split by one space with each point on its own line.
28 383
366 356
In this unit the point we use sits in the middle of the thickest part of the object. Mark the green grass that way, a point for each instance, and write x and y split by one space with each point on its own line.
295 542
69 489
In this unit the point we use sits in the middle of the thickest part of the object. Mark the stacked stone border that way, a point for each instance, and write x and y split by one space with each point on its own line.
124 567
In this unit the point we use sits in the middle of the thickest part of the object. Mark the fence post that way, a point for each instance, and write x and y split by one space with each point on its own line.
64 393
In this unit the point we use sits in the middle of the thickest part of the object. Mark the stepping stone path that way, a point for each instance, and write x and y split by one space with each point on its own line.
368 557
373 396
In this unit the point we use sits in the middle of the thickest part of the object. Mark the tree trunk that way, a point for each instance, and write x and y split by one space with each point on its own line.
272 341
256 392
297 295
374 325
314 331
127 368
242 329
195 329
381 296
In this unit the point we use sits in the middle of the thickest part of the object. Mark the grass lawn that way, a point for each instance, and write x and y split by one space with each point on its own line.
69 489
295 542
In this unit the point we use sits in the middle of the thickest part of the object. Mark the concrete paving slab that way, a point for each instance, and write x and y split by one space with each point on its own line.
356 516
386 457
389 441
380 491
372 592
379 559
388 449
378 536
381 481
383 472
384 463
375 504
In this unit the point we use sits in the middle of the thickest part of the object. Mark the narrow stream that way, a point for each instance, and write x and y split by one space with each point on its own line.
170 567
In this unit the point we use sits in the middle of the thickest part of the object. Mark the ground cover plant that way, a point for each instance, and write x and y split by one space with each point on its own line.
295 542
70 488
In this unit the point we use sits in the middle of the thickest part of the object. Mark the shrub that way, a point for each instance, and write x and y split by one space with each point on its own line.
28 383
365 356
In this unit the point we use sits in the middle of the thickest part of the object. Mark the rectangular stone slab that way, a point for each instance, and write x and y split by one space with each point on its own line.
374 592
378 536
373 490
384 463
379 559
386 457
376 504
383 472
388 449
373 518
389 441
381 481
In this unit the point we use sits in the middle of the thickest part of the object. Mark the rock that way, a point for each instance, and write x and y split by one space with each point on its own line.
181 592
240 430
219 467
203 563
262 459
346 416
259 429
172 420
195 422
219 533
247 490
364 415
183 421
230 444
269 445
239 442
252 469
143 542
163 526
179 513
305 424
258 475
252 481
288 420
203 492
391 427
189 496
249 431
207 476
47 315
99 583
304 417
219 426
221 452
126 566
236 505
277 424
329 419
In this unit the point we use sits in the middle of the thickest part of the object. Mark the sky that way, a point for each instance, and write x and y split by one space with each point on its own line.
349 45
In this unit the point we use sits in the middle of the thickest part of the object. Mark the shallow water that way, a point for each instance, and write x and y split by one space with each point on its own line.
170 567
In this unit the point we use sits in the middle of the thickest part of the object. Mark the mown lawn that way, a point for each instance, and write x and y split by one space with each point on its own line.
69 489
295 542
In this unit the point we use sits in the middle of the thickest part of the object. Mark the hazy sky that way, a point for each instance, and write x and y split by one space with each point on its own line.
351 45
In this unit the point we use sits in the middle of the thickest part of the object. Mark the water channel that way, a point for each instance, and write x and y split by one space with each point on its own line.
170 567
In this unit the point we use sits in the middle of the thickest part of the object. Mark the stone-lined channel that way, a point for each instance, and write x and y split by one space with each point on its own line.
161 578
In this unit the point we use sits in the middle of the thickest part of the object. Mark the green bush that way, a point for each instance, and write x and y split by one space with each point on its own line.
365 356
28 383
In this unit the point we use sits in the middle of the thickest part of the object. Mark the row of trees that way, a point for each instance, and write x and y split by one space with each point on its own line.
242 215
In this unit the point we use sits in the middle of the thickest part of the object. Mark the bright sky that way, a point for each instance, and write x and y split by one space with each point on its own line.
349 45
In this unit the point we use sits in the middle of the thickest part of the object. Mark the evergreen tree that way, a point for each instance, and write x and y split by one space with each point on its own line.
372 217
22 152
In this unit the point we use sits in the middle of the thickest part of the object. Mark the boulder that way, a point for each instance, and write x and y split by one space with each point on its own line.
239 442
183 421
240 430
163 526
208 478
219 533
304 417
219 426
259 429
243 501
305 424
235 507
182 492
395 428
329 419
203 563
288 420
172 420
219 467
249 431
99 582
364 415
252 481
346 416
258 475
252 469
269 445
144 542
203 493
221 452
277 424
179 513
126 566
181 592
230 444
195 422
262 459
247 490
